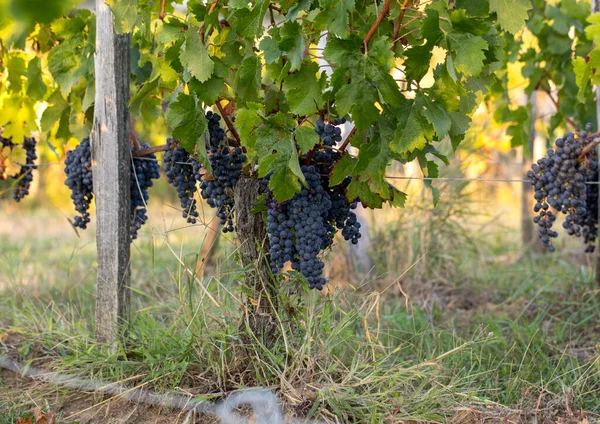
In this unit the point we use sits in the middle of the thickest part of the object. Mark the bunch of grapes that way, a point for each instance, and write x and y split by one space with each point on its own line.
142 172
180 168
78 168
299 229
25 175
227 164
560 181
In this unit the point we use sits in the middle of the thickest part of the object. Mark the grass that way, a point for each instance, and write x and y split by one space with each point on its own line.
482 334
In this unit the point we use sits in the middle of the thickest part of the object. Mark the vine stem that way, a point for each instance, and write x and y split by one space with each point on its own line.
135 141
384 11
587 149
229 123
148 151
398 24
557 106
161 15
342 148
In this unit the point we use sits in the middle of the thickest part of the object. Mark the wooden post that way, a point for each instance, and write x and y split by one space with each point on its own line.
528 236
596 8
111 164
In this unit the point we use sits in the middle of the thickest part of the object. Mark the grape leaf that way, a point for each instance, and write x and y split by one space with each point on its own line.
512 14
195 57
36 88
187 119
246 122
271 50
16 71
248 23
306 138
53 112
583 73
125 14
469 54
292 43
247 79
417 62
411 132
337 11
437 115
358 98
65 65
303 90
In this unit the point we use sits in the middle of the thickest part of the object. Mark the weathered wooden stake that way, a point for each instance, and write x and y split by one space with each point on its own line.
528 234
596 8
110 163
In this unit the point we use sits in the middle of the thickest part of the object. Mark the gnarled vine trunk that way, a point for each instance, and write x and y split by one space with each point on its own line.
261 298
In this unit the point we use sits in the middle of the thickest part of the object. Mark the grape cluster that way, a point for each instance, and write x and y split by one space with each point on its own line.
226 163
300 228
305 216
25 175
560 182
142 172
216 133
180 168
78 168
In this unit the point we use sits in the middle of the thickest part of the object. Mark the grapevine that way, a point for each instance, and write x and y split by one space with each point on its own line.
565 182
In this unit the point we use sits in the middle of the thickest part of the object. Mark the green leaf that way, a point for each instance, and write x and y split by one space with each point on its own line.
125 14
342 169
373 159
135 104
304 92
16 72
360 190
469 54
411 132
65 65
306 138
271 50
337 11
209 91
277 154
248 23
247 79
358 98
592 31
417 62
186 117
398 198
292 43
583 73
195 57
437 115
53 112
246 122
35 83
512 14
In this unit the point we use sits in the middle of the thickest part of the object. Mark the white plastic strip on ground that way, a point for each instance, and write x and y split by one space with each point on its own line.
263 403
